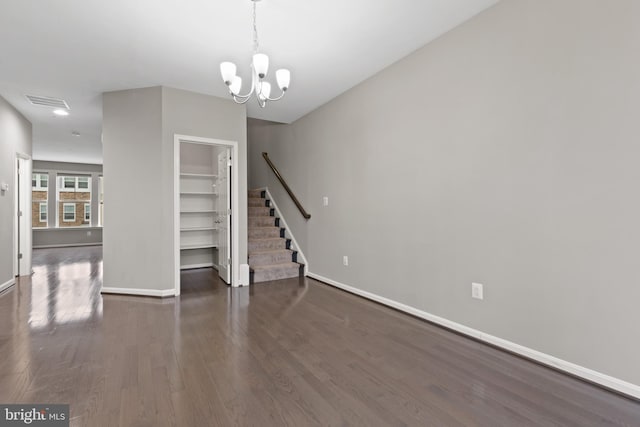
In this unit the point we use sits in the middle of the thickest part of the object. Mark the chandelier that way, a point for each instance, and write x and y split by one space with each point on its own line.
259 68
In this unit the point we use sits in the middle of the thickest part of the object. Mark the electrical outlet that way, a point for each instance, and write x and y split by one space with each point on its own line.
345 260
88 233
477 291
325 201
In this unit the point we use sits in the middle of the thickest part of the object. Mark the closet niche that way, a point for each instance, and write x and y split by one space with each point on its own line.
198 205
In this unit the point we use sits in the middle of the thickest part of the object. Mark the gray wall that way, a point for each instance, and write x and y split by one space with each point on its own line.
138 130
60 237
52 237
506 153
15 137
85 168
136 238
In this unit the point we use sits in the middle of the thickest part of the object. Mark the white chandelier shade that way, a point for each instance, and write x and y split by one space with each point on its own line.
259 69
261 64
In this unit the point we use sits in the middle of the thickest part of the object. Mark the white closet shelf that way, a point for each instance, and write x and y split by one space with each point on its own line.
198 193
198 228
198 246
198 175
198 212
194 266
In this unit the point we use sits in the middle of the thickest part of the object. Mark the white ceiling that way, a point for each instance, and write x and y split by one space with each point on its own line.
75 50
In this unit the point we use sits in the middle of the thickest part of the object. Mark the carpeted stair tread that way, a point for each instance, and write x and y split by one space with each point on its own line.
264 232
270 257
261 221
269 251
277 266
255 202
259 211
268 243
265 273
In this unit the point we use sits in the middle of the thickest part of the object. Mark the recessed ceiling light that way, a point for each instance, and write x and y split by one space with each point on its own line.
75 133
60 112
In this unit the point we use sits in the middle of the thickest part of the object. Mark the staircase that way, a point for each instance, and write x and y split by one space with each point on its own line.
270 253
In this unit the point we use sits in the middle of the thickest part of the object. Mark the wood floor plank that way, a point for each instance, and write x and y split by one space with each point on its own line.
286 353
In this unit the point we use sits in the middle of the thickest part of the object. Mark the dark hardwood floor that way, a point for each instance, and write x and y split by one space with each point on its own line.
288 353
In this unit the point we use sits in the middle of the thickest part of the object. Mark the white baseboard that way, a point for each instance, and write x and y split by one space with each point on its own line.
7 284
67 245
162 293
607 381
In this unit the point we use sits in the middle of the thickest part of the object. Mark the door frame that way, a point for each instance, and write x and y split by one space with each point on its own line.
235 206
228 188
25 193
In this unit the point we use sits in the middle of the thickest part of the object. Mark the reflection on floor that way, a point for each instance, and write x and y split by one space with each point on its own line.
293 352
66 287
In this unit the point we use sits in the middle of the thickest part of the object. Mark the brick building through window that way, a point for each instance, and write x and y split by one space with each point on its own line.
39 200
74 201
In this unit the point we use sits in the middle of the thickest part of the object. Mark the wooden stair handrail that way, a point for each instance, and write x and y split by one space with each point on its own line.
284 184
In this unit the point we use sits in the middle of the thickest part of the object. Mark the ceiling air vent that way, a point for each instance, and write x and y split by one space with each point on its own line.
45 101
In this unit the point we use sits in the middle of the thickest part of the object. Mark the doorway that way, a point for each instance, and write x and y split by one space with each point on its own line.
205 202
22 214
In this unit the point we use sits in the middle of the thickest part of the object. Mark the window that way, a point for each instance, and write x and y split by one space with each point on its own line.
76 182
43 212
39 181
74 200
72 204
69 212
39 199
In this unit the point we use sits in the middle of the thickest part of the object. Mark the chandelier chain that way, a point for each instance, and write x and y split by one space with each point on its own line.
256 45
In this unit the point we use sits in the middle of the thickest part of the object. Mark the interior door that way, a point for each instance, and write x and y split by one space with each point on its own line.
223 185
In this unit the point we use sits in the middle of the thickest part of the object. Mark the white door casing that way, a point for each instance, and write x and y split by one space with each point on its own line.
223 185
23 215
